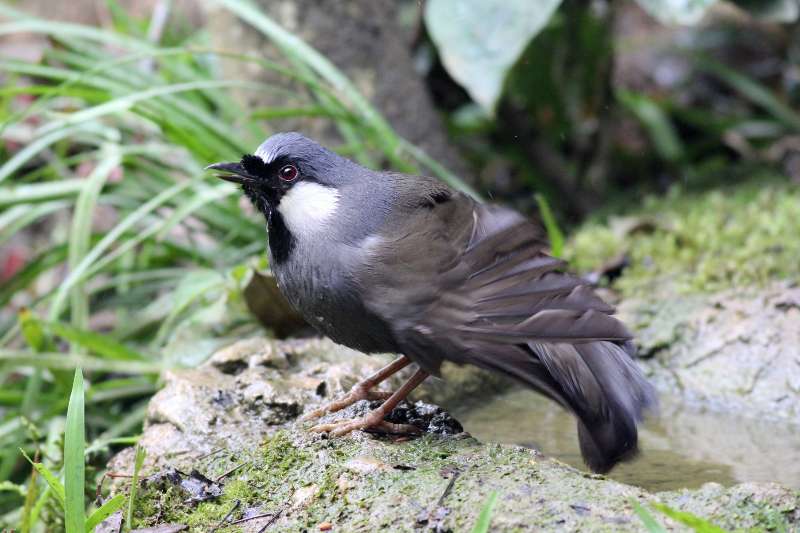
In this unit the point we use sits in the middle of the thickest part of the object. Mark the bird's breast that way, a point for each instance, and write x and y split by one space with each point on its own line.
319 284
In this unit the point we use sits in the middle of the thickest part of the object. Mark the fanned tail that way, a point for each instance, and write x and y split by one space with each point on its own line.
550 331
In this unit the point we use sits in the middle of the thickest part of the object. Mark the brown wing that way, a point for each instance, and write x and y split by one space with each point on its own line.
470 283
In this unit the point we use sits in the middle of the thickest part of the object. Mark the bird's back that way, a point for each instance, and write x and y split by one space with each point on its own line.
472 283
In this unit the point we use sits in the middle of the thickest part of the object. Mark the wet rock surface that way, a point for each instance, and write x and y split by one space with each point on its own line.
734 351
225 451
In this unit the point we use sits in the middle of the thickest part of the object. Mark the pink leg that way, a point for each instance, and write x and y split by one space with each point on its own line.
375 418
362 390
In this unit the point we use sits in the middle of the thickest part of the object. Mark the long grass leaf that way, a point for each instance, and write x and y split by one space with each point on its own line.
126 102
96 343
56 486
37 192
104 511
61 361
484 521
81 229
554 233
74 464
42 141
700 525
648 520
752 90
20 216
77 274
30 500
137 467
40 503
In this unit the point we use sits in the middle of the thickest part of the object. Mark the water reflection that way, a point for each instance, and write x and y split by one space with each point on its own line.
683 448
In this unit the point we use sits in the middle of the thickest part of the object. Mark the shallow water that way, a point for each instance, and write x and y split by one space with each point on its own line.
682 448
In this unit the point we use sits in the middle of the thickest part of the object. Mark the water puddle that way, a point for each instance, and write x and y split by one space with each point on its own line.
683 448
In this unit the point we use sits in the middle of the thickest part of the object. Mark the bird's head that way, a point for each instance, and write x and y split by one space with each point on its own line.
289 172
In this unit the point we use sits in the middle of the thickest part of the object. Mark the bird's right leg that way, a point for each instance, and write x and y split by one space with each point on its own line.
362 390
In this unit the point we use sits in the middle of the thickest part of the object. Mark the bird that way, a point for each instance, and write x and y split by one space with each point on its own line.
385 262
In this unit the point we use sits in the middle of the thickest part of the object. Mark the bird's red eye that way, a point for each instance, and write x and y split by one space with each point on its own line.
288 172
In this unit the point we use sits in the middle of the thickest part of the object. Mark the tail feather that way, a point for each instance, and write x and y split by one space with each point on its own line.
608 394
597 381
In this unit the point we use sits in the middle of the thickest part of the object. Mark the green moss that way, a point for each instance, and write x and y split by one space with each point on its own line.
744 235
535 493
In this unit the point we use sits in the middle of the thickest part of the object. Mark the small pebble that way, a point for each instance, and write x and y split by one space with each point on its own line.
325 526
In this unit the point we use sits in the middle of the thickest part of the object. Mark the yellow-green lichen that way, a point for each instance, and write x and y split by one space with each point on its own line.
730 237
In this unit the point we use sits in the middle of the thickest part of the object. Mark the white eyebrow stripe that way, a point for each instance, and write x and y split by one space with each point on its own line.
307 207
266 156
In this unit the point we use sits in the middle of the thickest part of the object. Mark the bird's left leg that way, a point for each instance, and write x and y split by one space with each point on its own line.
362 390
375 418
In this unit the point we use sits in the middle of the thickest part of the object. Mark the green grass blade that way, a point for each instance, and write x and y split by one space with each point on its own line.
137 467
553 231
30 500
485 516
77 275
649 521
700 525
55 485
104 511
752 90
38 192
125 103
81 229
40 503
60 361
43 140
74 465
96 343
18 217
665 139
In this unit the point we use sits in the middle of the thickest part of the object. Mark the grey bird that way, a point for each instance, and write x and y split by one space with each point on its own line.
387 262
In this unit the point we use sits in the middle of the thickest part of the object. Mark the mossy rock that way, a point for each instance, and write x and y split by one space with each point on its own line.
738 236
234 422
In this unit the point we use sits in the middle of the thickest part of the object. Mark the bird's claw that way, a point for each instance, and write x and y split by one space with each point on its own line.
369 422
356 394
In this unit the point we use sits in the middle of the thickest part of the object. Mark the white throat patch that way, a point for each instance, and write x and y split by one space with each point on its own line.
307 207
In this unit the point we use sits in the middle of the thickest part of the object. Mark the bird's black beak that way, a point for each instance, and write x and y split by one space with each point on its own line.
234 172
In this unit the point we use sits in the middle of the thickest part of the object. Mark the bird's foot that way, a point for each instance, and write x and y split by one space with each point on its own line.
357 393
373 421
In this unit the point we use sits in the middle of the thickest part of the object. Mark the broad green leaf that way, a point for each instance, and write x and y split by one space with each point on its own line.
676 11
480 40
74 465
104 511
